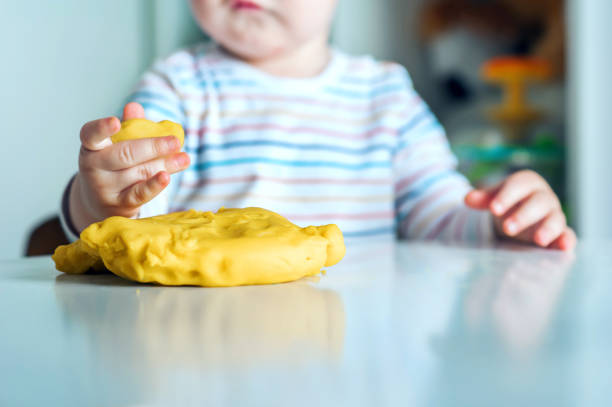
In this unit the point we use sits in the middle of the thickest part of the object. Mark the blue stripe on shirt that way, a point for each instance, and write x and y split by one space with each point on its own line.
421 188
366 95
263 160
167 114
423 134
370 232
295 146
417 119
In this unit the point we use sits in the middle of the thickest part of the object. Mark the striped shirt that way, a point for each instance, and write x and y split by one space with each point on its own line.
355 146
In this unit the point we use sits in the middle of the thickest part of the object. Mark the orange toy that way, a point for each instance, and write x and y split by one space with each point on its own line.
514 74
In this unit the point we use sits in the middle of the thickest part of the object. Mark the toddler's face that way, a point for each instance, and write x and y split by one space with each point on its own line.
254 29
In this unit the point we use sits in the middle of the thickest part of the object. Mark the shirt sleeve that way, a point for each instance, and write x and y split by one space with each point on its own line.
159 97
429 191
64 214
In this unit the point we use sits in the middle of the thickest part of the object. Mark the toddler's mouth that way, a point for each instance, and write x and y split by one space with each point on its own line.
245 5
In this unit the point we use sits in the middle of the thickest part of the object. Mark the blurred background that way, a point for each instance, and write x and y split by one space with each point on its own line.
517 84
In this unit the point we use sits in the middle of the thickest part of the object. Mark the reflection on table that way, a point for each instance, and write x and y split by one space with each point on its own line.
392 324
146 333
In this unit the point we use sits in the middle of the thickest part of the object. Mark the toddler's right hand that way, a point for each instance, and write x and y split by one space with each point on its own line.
116 179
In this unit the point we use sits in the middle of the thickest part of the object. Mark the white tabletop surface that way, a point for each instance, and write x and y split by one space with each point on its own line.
393 324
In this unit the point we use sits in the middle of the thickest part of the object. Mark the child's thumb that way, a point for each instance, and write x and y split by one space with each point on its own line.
479 199
133 110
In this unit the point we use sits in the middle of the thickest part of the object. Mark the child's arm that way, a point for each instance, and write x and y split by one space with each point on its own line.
431 196
429 192
123 178
526 209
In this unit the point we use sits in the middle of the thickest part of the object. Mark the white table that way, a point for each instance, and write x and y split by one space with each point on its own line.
407 324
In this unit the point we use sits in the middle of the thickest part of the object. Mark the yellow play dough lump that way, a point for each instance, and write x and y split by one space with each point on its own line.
228 248
143 128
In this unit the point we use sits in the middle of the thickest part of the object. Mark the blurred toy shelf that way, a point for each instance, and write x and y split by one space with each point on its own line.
489 161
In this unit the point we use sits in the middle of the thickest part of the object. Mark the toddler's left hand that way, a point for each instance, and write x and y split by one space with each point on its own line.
526 209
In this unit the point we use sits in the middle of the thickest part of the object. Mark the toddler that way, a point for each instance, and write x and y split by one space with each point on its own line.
276 118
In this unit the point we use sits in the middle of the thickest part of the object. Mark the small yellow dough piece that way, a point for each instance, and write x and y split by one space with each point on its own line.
143 128
228 248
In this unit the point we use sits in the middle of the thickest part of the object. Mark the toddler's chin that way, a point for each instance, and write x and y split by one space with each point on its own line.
254 50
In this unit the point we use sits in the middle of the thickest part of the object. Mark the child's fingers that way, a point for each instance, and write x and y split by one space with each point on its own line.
143 172
95 135
566 242
480 198
133 110
143 192
129 153
527 213
514 189
550 229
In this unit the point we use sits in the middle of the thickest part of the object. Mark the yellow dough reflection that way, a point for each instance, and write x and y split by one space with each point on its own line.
174 328
228 248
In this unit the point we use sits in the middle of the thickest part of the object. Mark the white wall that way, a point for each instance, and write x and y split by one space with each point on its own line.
591 116
174 26
386 29
64 63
